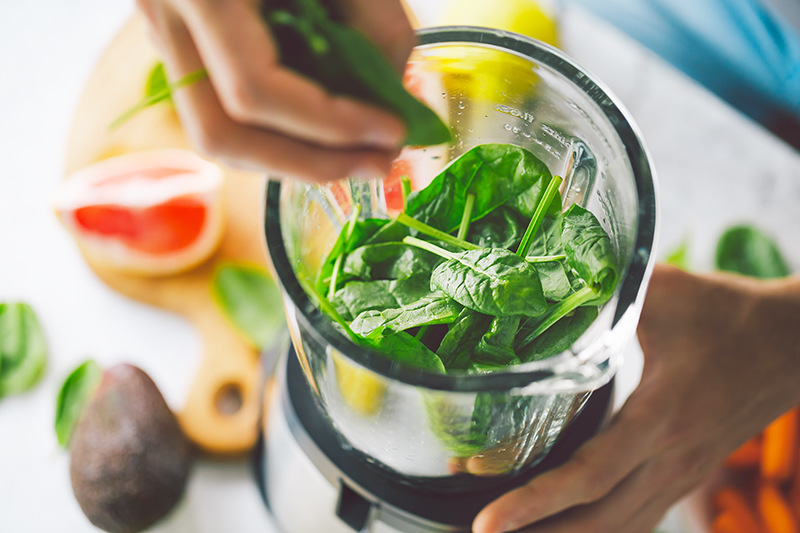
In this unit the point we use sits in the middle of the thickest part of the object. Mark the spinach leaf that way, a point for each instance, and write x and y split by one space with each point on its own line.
74 396
589 250
410 289
433 309
494 173
539 214
459 343
251 301
159 96
547 241
23 350
391 231
313 41
559 337
502 228
405 349
492 281
362 231
461 432
746 250
157 86
555 283
359 296
496 347
526 202
389 260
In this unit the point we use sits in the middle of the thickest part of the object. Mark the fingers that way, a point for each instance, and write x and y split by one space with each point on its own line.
386 25
256 90
634 506
591 474
216 134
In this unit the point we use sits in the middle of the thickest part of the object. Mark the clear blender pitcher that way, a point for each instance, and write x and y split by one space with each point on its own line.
451 432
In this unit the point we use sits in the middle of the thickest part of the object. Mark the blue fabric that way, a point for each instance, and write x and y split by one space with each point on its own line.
737 48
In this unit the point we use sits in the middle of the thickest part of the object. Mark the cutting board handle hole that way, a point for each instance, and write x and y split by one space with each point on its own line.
229 399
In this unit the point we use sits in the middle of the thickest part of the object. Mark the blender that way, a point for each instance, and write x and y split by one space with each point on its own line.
355 442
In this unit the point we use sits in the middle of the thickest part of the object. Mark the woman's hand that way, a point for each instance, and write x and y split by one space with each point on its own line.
253 113
721 361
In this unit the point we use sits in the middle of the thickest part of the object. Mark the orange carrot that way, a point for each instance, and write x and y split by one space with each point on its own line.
779 449
731 501
726 522
775 511
748 455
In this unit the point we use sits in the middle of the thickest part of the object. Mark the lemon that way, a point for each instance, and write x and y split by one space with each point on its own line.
526 17
488 75
360 388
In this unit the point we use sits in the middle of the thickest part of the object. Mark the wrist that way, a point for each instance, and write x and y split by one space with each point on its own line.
773 332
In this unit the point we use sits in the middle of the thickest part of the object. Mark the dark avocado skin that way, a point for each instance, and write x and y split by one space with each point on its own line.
130 461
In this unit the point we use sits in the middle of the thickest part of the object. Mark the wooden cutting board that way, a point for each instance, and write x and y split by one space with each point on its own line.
229 364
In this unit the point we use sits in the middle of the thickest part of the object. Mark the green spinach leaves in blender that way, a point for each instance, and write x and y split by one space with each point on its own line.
313 40
524 286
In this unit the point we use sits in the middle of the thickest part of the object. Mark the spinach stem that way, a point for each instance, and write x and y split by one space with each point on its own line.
337 265
163 94
559 311
545 258
435 233
328 308
422 331
538 215
432 248
466 217
405 183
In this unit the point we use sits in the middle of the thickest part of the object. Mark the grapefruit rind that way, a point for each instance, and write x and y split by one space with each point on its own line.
137 181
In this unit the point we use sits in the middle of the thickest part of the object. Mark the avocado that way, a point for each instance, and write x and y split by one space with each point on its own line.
129 460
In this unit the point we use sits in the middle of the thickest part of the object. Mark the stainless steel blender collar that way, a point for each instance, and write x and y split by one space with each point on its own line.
629 291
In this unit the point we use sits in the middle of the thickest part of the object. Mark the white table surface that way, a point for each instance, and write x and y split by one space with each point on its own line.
715 168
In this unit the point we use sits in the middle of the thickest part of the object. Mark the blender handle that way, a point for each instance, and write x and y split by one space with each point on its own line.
353 509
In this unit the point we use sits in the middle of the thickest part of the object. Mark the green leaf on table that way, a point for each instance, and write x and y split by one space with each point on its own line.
73 398
23 349
428 311
748 251
494 173
313 41
679 257
589 250
405 349
251 301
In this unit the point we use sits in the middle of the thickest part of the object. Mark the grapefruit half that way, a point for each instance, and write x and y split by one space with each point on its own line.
152 213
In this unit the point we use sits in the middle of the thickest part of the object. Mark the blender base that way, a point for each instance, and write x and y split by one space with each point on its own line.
313 484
